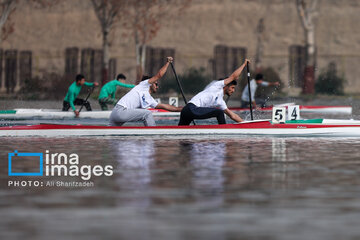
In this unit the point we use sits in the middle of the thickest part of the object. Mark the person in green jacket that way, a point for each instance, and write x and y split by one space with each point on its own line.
107 93
71 98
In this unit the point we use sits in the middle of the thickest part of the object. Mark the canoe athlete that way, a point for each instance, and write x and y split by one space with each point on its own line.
259 80
71 99
132 106
210 103
107 92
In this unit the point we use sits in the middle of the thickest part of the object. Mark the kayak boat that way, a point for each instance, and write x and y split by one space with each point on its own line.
29 113
294 128
345 110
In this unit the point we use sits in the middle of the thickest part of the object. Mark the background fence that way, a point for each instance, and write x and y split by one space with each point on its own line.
17 67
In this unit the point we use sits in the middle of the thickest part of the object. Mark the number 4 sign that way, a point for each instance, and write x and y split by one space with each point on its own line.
293 112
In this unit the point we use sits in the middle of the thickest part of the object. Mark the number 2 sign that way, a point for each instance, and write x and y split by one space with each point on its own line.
174 101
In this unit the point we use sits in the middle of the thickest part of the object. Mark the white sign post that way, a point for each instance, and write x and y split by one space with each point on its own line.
293 112
278 115
174 101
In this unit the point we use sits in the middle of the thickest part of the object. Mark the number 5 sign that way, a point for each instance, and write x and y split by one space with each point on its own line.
278 115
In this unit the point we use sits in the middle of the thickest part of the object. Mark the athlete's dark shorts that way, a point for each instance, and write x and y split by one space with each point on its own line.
191 112
78 101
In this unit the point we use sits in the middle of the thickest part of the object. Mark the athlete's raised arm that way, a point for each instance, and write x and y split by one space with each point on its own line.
236 73
162 71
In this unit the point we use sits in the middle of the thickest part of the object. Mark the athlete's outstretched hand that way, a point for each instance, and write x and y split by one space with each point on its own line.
170 59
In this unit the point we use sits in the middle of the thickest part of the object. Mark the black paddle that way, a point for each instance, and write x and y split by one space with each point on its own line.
180 87
90 92
248 77
178 82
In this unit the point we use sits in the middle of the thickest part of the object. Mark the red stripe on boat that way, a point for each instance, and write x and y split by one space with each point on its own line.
261 124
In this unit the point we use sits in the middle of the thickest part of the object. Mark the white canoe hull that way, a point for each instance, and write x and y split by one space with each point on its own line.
23 114
26 113
340 132
329 128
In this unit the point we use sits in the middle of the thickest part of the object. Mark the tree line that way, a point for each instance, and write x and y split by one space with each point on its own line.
144 18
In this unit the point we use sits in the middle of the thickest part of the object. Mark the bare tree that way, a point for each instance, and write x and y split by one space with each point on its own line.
308 17
145 19
108 13
7 7
260 29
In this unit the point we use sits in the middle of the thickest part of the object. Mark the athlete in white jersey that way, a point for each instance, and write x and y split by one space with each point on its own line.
259 80
132 106
210 102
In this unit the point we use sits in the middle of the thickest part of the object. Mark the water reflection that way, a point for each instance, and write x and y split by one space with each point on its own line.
278 150
207 160
142 170
286 167
134 158
214 188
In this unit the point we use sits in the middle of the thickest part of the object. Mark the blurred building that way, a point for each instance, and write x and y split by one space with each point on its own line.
66 39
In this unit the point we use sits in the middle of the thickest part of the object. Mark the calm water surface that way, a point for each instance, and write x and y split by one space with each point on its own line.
198 188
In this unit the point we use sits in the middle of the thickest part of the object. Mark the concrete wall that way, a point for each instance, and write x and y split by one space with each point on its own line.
194 34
